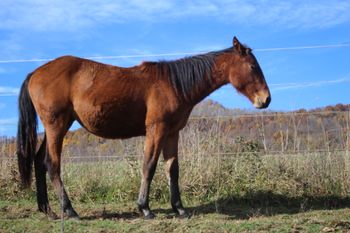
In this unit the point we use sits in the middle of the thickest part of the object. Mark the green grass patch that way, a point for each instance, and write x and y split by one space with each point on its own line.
243 193
21 216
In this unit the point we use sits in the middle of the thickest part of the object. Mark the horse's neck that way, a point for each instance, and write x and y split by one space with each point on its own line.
216 82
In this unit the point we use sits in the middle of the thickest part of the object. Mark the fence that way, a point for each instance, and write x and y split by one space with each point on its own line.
225 136
217 135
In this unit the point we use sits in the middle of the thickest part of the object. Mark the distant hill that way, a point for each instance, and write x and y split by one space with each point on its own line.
213 108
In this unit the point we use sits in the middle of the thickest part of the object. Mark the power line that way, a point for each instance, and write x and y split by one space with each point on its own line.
180 53
304 47
105 57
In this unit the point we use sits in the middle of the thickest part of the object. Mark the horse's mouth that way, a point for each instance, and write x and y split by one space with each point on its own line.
262 102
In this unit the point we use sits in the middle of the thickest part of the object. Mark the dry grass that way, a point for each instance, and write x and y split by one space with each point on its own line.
248 176
254 193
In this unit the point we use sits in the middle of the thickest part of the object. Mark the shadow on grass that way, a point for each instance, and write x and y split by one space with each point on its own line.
257 204
268 204
111 215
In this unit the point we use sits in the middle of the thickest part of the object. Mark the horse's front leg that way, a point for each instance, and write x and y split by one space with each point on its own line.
153 146
55 131
170 153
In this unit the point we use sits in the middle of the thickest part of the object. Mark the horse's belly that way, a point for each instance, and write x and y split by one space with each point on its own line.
118 131
113 123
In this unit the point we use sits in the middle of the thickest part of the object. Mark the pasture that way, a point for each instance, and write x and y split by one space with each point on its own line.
284 194
126 117
229 182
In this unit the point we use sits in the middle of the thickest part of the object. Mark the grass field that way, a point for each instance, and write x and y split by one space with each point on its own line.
21 216
242 193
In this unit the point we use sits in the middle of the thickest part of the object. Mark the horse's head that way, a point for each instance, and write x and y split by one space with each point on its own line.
247 77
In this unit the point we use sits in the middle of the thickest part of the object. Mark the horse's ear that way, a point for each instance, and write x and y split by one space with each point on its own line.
248 50
238 46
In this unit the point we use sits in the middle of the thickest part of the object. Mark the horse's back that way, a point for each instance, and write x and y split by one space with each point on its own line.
108 101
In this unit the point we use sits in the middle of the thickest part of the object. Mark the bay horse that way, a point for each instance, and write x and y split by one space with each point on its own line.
154 99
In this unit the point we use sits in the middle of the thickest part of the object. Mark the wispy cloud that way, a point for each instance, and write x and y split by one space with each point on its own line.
8 91
8 126
6 70
59 15
289 86
292 14
8 121
73 15
10 47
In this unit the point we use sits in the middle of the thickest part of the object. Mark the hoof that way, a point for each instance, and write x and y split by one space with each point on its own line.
149 216
184 215
146 211
52 216
70 213
48 212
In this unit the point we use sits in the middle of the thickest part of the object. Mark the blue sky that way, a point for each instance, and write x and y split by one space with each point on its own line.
303 78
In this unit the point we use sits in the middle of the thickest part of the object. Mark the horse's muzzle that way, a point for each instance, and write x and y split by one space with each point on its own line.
262 101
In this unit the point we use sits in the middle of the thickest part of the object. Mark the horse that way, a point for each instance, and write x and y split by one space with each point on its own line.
153 99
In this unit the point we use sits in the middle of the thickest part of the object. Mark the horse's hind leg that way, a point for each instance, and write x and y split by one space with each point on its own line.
40 176
55 132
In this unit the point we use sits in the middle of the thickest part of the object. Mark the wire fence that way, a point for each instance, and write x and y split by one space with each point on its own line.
223 135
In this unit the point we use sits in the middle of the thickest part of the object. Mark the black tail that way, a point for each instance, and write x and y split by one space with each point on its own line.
26 134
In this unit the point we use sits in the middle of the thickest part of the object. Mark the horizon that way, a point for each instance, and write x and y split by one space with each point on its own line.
302 47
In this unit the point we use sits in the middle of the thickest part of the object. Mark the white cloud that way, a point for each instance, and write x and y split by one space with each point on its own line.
72 15
8 126
10 46
291 14
6 69
8 121
8 91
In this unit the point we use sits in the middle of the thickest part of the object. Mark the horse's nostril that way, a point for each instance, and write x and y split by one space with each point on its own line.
268 100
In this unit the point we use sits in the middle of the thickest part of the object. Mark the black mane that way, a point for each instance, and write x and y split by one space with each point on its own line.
188 73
